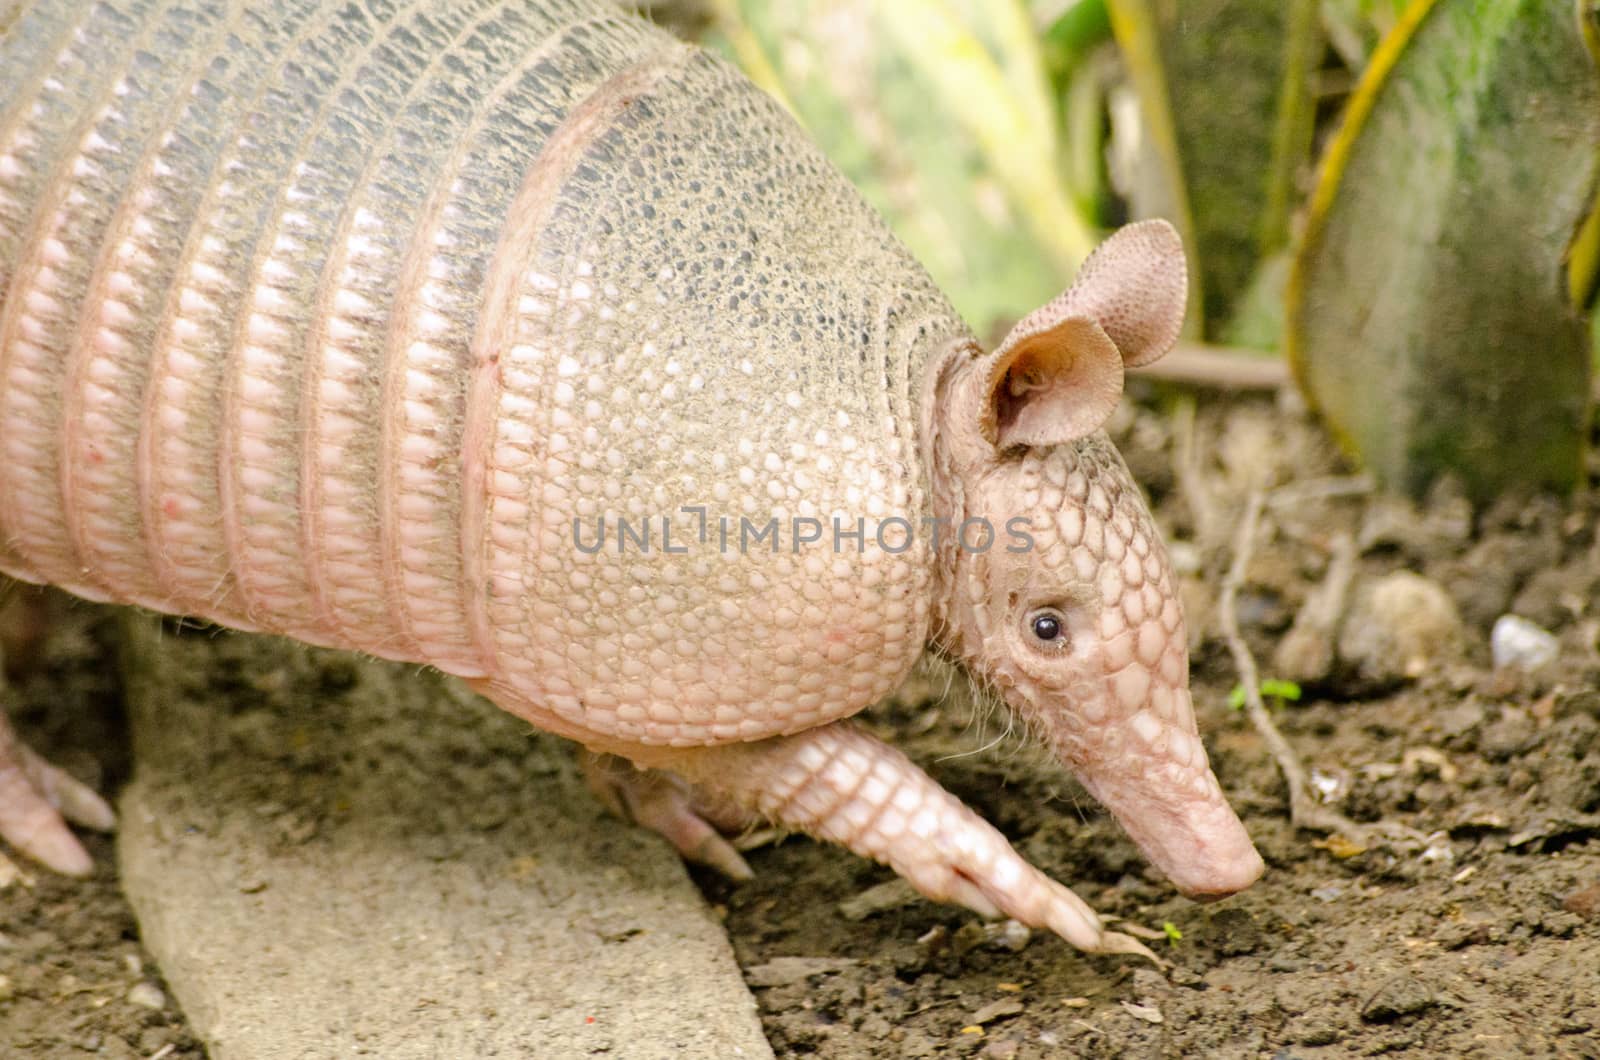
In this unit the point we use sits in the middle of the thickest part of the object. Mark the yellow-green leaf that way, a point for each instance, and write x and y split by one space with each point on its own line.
1429 312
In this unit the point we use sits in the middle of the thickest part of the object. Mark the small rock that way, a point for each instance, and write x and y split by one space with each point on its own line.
1319 1030
1150 985
1399 627
1463 933
911 960
875 1026
1147 1013
147 995
785 971
7 990
1585 902
1001 1049
1011 936
1401 995
1006 1006
1558 923
154 1039
1186 977
1007 935
1517 644
115 1048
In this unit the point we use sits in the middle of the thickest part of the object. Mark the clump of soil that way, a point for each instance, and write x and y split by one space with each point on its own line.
1464 920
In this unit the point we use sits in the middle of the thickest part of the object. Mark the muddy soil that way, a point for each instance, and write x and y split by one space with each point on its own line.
1462 919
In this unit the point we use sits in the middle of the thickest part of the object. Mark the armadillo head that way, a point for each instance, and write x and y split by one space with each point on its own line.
1071 611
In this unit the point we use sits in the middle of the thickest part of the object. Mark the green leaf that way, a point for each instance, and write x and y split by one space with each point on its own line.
1174 936
1072 28
1428 308
1225 93
1275 688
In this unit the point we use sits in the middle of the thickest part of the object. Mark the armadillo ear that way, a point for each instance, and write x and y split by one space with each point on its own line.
1135 285
1058 375
1049 384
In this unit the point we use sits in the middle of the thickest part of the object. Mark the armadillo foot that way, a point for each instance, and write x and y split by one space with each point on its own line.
35 797
665 803
838 783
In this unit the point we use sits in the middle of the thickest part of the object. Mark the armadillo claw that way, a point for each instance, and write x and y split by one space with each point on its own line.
838 783
665 804
35 797
979 869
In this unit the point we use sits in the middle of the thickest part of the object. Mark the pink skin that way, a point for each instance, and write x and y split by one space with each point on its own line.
1108 693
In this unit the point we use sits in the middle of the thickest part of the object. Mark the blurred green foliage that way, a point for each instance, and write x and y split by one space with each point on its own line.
951 118
1430 311
1002 138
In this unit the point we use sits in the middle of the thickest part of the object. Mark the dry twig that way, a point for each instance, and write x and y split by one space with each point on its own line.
1306 651
1304 811
1219 368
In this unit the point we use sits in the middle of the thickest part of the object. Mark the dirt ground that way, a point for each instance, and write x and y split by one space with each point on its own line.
1463 920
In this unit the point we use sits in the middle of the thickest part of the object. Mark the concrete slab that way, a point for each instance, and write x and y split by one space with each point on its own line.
332 857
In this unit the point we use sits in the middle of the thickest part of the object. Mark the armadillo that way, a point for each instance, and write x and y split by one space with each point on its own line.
522 340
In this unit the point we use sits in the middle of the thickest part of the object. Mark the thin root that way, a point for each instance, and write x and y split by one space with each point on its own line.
1304 811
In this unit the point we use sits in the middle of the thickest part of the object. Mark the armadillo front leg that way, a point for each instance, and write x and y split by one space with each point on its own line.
838 783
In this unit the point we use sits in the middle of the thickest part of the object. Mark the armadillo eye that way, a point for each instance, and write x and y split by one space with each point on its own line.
1048 628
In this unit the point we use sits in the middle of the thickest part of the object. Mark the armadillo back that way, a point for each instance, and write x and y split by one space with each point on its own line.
326 318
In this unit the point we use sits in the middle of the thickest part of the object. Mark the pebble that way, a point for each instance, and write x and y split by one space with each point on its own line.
1009 936
1399 996
1147 1013
1517 644
1400 626
147 995
1006 1006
